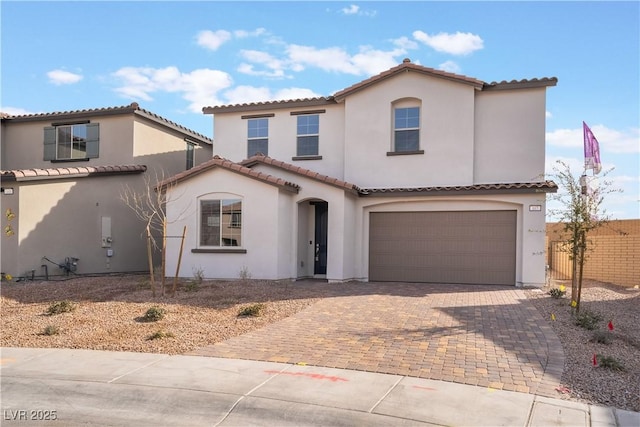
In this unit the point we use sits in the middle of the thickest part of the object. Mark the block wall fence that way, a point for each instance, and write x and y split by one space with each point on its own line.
613 257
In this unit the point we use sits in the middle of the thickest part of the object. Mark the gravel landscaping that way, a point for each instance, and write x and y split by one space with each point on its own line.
111 313
581 379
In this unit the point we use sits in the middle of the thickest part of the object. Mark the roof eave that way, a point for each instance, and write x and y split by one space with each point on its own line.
403 192
16 176
266 106
521 84
404 68
72 115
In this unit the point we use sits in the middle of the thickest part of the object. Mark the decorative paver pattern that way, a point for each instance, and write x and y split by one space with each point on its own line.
488 336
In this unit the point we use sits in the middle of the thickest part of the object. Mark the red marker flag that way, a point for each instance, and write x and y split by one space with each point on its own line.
610 325
591 150
595 360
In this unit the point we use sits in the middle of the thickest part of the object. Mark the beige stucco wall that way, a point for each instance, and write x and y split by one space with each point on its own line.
163 150
124 140
231 138
510 129
446 134
24 141
260 234
63 218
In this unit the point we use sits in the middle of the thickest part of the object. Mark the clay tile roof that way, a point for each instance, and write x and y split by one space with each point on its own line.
269 105
527 187
252 161
69 172
124 109
521 84
217 161
405 66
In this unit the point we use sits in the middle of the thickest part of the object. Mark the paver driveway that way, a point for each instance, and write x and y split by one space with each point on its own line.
480 335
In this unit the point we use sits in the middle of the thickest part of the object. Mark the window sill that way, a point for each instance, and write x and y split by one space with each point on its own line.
219 251
404 153
306 158
69 160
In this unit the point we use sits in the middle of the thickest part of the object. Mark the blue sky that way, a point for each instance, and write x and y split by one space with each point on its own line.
173 58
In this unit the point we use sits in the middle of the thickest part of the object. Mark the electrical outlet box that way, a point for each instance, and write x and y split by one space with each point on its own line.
106 232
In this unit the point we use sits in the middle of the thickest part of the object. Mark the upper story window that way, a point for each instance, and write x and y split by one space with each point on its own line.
191 148
258 136
71 142
406 129
220 222
308 135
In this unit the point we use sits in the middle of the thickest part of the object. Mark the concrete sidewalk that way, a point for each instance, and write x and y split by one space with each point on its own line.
100 388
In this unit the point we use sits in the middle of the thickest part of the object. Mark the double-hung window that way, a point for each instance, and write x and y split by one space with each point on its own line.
220 222
70 142
257 137
308 134
407 129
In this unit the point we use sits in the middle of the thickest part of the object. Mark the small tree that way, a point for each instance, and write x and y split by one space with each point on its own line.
580 211
150 205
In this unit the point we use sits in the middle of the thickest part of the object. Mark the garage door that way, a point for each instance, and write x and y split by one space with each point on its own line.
475 247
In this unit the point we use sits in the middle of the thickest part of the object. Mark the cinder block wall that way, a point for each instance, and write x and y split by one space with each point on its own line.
614 256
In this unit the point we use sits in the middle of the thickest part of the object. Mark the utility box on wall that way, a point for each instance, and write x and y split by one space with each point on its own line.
106 232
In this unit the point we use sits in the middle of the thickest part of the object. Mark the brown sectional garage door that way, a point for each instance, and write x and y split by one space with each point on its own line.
475 247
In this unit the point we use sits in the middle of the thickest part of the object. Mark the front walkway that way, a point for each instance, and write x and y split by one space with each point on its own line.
488 336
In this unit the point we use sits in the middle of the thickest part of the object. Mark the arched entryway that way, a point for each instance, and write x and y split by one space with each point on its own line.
313 228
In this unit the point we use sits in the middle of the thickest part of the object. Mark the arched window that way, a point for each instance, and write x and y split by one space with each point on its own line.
406 126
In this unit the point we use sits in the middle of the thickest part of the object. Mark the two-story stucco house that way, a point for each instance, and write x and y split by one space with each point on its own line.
412 175
63 175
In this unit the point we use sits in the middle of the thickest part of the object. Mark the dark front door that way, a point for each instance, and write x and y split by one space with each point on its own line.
320 264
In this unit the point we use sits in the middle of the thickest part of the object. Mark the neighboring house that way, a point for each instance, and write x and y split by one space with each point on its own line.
412 175
63 175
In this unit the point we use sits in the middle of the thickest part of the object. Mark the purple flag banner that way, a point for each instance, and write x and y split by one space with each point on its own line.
591 150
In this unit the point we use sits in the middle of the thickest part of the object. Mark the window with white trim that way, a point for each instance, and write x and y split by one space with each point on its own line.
406 129
308 135
257 136
220 222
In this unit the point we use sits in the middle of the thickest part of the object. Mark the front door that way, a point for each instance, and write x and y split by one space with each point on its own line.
320 258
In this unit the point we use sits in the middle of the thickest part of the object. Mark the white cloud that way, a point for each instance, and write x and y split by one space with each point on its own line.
405 43
351 10
329 59
248 94
295 93
454 44
610 140
62 77
200 87
450 66
276 67
241 34
334 59
16 111
212 40
356 10
548 115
